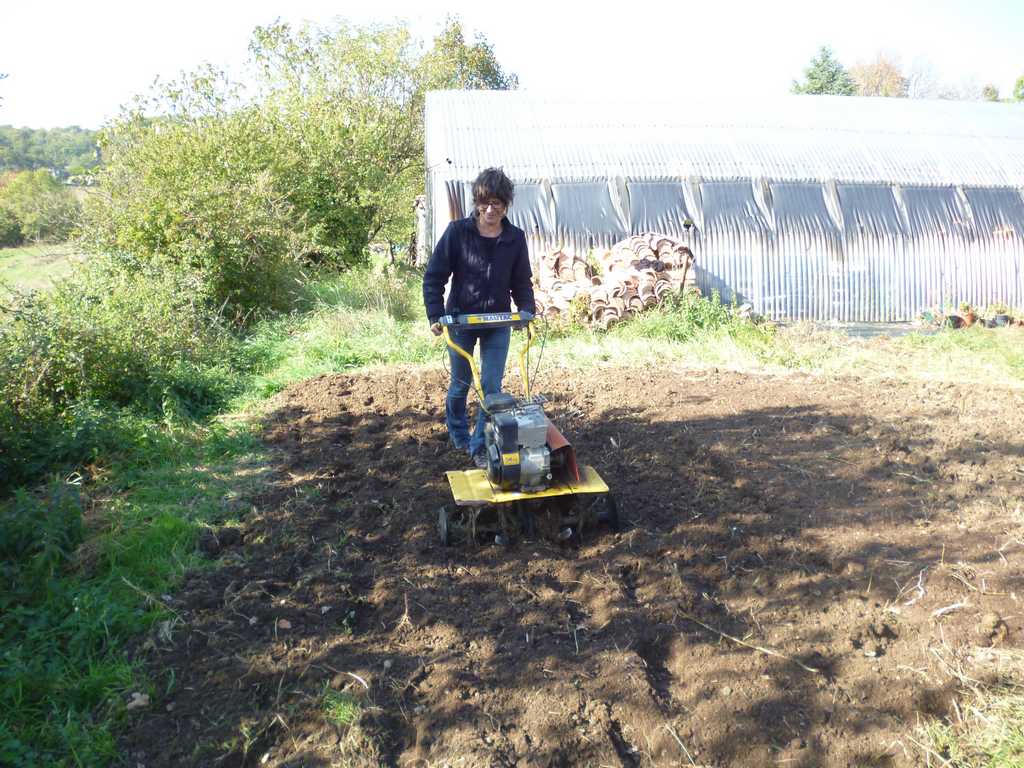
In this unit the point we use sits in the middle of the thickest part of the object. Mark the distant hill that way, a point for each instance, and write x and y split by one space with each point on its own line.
66 152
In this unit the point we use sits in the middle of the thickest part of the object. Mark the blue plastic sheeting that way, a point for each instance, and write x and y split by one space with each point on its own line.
868 210
999 212
934 211
531 210
801 272
735 239
587 211
657 207
731 205
800 208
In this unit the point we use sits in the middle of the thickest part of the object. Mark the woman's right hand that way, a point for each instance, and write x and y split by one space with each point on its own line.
435 328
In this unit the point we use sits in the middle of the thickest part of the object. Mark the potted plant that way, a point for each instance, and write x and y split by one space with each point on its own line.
998 314
968 314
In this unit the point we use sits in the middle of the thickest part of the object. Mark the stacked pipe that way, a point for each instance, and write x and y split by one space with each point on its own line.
635 274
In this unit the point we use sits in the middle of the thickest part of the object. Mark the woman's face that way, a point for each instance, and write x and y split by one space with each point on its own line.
491 211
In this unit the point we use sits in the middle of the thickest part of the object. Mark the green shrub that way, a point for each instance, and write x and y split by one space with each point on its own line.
141 337
54 636
109 341
10 229
684 316
199 193
37 537
76 434
321 157
395 291
42 206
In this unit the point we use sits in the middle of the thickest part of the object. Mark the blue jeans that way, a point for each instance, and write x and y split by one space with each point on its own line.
493 352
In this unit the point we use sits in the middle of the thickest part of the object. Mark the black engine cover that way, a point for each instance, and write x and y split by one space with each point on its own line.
503 453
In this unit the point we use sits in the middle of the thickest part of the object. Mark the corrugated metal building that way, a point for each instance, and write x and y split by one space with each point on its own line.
816 207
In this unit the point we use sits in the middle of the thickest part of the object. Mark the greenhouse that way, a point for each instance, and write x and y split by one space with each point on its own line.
807 207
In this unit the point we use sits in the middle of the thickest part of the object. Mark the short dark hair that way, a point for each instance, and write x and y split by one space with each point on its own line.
492 182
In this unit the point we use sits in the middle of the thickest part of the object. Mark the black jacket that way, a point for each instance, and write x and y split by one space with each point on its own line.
479 284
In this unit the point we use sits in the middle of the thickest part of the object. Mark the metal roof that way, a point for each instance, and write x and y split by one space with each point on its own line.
788 138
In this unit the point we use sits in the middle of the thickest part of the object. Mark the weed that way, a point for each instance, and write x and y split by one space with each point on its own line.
988 734
347 623
340 708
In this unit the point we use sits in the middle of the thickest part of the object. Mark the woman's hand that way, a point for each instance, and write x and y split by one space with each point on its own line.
435 328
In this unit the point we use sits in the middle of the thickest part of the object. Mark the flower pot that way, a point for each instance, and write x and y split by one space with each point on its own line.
954 321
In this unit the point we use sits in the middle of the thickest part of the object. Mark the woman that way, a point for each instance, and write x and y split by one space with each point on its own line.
486 258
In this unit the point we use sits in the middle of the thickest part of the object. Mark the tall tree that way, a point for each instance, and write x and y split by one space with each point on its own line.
826 75
43 207
453 63
922 80
881 77
1018 89
964 90
322 157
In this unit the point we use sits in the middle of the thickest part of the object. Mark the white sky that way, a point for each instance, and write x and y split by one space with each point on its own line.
75 63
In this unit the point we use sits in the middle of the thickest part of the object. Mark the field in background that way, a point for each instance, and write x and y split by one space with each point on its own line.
34 267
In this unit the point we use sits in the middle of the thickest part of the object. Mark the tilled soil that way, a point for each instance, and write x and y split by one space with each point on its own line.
806 567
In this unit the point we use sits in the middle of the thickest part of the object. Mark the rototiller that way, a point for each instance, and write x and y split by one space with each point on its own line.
533 484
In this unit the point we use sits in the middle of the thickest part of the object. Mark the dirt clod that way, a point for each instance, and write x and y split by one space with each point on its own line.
992 629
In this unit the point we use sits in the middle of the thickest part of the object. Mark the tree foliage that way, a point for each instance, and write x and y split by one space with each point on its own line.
1018 89
826 75
322 155
43 207
199 190
453 64
966 89
884 77
64 151
922 80
10 229
880 77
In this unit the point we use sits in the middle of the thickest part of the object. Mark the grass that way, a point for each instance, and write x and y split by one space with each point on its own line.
65 679
97 558
988 731
35 267
358 319
975 355
341 708
356 747
697 337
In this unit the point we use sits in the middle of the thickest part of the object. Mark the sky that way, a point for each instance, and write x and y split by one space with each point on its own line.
75 63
